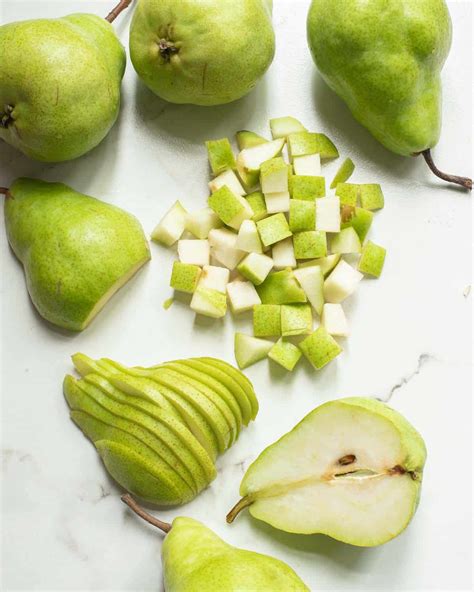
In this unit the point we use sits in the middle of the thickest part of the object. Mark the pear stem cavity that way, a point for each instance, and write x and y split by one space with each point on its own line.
239 506
133 505
121 6
463 181
167 49
6 192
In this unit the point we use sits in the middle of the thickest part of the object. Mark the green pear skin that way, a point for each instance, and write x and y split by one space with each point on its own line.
383 58
196 559
59 85
76 250
204 52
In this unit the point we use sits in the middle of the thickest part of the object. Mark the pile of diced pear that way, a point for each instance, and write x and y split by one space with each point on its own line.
272 241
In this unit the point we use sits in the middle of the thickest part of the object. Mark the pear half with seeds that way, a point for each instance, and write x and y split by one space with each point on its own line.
351 469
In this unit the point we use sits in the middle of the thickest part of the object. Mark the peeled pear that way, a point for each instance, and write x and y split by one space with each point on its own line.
59 84
204 52
195 559
76 251
351 469
384 59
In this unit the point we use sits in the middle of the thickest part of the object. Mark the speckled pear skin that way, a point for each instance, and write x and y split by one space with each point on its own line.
215 51
383 58
74 249
195 559
59 85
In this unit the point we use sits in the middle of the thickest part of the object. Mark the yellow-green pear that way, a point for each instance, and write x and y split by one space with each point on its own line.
204 52
77 251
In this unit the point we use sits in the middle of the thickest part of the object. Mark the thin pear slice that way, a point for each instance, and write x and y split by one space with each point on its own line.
239 377
351 469
209 382
160 438
173 488
180 439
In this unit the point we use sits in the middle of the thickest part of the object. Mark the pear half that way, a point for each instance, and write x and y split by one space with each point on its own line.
351 469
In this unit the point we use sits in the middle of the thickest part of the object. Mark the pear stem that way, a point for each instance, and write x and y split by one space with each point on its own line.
133 505
463 181
6 192
239 506
121 6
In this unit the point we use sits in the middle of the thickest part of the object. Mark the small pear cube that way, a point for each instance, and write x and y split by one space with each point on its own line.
285 354
296 319
273 229
185 277
231 208
171 226
256 201
274 176
220 155
242 296
195 252
214 278
302 215
255 267
267 320
372 259
283 254
308 188
303 143
311 279
310 244
281 287
341 283
248 239
230 179
209 302
326 264
334 320
251 159
348 194
224 247
246 139
371 196
281 127
200 223
309 165
344 172
320 348
277 202
347 241
328 214
358 218
248 350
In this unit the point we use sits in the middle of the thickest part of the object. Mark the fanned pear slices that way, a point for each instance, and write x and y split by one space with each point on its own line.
351 469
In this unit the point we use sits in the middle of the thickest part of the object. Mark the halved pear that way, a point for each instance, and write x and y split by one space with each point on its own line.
351 469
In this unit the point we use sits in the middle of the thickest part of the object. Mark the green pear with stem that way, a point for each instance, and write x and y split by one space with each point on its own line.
76 251
204 52
60 84
195 559
384 59
351 469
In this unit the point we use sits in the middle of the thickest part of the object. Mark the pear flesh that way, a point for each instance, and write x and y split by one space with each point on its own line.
204 52
351 469
59 85
76 250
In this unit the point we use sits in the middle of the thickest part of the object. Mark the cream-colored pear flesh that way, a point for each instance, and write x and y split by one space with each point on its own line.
351 469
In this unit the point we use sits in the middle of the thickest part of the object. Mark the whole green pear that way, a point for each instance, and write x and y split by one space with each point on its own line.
384 58
59 85
195 559
204 52
76 250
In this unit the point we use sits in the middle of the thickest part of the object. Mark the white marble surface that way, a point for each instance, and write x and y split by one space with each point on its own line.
63 525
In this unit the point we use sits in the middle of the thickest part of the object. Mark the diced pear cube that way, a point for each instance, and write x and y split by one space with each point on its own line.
274 175
224 247
209 302
246 139
255 267
328 214
171 226
371 196
281 287
347 241
232 209
348 194
296 319
326 264
281 127
334 320
310 244
303 143
302 215
308 165
358 218
214 278
285 354
311 279
273 229
372 259
277 202
344 172
194 252
185 277
320 348
258 205
251 159
248 239
220 155
267 320
200 223
248 350
283 254
228 178
242 296
341 283
303 187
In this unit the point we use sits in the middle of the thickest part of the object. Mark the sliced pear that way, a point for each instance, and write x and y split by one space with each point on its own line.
249 350
351 469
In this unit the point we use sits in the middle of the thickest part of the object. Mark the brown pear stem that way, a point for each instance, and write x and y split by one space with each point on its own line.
6 192
239 506
121 6
133 505
463 181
